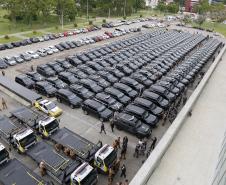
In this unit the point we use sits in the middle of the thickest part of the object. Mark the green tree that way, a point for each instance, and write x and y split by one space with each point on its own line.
200 20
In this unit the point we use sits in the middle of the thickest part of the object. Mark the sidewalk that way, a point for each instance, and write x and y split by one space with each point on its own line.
193 155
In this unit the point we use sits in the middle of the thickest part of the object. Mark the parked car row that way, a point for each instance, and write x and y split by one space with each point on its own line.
29 55
140 78
125 22
47 37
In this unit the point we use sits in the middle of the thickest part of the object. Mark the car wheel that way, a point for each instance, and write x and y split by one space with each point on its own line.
85 112
102 119
72 106
118 127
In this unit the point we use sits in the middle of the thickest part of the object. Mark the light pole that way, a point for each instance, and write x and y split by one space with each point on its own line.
124 8
87 9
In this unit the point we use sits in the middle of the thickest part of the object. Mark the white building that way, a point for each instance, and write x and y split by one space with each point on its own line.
152 3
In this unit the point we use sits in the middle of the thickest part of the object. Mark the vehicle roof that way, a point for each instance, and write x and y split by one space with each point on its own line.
134 108
151 94
43 83
143 101
93 103
80 145
6 125
65 92
26 115
45 152
14 172
127 117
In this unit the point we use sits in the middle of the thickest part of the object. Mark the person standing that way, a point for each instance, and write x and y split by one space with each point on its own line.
126 182
112 125
125 141
154 140
119 142
102 128
32 68
123 152
3 73
110 176
42 168
123 171
4 106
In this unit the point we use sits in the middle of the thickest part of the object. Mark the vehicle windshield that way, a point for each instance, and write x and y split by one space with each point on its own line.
51 106
3 154
52 125
138 123
145 114
71 97
109 160
120 95
90 178
101 108
48 87
27 140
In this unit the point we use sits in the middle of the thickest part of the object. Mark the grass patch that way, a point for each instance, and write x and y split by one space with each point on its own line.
11 39
217 27
32 34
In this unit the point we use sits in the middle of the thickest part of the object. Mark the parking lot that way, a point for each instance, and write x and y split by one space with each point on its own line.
88 126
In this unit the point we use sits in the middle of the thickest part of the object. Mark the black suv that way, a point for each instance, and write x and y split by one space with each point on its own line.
67 97
156 98
64 63
24 80
163 92
126 89
96 108
56 67
149 106
91 85
118 95
132 83
142 114
35 76
56 82
45 70
45 88
100 81
77 73
67 77
131 124
81 91
108 101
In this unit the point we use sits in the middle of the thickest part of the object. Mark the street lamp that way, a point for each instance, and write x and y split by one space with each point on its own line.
87 9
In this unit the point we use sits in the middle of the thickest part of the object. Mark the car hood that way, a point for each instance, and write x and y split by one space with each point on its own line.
116 106
133 93
144 128
52 90
76 101
107 113
151 120
125 99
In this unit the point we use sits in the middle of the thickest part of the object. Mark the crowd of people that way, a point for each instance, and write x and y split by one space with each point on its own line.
121 148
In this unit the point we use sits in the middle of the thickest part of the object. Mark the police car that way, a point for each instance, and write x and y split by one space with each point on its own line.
48 107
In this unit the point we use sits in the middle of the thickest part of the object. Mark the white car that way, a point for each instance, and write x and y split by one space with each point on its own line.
41 39
41 52
54 49
10 61
48 51
33 54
